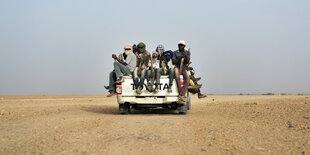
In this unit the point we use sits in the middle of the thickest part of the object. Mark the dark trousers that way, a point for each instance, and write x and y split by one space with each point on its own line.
194 91
112 80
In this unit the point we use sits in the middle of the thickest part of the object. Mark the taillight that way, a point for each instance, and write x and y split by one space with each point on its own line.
181 80
119 88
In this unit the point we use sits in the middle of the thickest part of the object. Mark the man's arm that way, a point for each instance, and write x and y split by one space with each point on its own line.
163 59
187 58
121 61
138 62
147 59
175 60
118 60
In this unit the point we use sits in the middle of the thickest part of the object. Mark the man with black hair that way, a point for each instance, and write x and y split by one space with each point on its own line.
134 49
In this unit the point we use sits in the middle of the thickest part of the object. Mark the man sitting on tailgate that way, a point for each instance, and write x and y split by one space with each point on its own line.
121 67
181 58
166 67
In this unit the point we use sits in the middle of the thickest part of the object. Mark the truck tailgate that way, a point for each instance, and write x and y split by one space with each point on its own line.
128 88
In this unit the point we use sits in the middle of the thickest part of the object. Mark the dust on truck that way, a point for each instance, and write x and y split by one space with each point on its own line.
127 97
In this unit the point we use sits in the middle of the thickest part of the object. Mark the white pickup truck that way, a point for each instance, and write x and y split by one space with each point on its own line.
128 98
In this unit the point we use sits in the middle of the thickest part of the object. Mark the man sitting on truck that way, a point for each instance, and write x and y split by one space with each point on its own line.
142 65
194 86
134 49
152 72
121 66
181 58
170 67
111 87
156 71
165 65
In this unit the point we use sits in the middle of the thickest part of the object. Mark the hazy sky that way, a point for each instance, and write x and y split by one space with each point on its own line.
238 46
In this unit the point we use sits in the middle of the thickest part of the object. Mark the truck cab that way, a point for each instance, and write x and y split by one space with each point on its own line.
127 97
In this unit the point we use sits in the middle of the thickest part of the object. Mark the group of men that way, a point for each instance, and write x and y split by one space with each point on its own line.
142 65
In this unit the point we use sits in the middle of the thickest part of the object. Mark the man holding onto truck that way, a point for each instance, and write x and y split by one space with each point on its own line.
165 65
112 78
152 71
170 67
194 87
140 71
122 67
181 58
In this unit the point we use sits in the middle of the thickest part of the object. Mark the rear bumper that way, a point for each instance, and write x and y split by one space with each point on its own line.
147 99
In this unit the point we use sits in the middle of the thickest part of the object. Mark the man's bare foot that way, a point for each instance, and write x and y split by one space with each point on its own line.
111 94
182 99
169 88
149 86
138 90
120 80
156 90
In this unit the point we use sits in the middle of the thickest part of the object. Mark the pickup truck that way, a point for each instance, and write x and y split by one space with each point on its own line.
127 97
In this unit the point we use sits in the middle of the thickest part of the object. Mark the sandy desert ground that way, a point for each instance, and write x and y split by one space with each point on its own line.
218 124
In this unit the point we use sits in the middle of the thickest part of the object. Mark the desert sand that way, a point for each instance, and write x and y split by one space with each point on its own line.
218 124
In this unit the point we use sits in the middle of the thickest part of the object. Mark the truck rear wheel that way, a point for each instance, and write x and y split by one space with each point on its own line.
188 100
182 108
124 108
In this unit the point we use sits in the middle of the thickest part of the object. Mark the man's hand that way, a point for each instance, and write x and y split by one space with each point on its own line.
139 59
162 58
114 56
183 54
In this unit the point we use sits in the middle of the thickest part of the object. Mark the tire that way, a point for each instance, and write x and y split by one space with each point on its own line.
188 101
182 108
123 108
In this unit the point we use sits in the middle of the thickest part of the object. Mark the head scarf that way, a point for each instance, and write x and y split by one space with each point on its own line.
134 48
160 49
127 47
141 50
